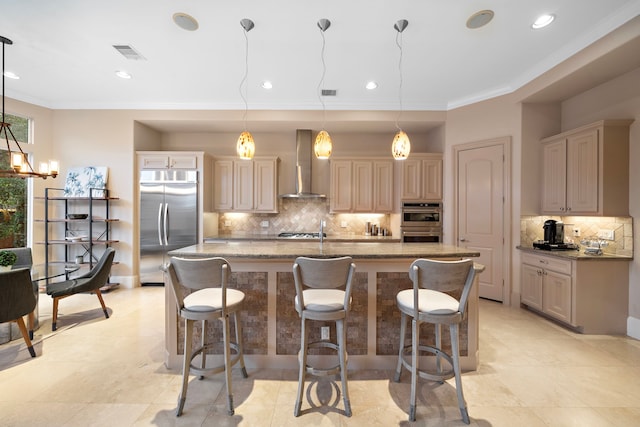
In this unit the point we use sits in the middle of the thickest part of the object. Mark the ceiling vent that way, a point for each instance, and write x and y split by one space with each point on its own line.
329 92
129 52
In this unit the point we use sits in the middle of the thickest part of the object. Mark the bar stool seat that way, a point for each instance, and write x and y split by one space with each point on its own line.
427 302
318 298
210 299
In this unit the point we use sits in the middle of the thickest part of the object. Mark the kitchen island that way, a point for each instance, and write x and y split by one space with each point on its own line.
271 326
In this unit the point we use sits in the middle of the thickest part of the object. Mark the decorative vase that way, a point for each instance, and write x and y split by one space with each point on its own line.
5 268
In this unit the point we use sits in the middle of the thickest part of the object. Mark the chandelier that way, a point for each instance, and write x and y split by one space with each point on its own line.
20 165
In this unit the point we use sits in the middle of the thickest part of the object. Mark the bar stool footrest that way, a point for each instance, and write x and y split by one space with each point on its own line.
321 372
423 373
199 371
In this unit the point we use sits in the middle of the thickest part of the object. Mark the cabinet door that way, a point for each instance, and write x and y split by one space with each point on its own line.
383 186
183 162
223 185
341 182
265 188
531 283
411 179
432 179
243 185
556 295
362 196
554 177
582 172
154 161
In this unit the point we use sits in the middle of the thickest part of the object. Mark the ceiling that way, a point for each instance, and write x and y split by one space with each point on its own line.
63 51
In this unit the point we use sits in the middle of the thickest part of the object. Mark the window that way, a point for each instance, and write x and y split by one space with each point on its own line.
13 192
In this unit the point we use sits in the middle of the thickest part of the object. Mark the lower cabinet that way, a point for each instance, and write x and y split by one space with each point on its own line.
546 286
589 294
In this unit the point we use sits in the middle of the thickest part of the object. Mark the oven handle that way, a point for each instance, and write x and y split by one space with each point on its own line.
421 210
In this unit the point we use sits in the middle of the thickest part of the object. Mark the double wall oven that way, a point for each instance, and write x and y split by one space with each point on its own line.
421 222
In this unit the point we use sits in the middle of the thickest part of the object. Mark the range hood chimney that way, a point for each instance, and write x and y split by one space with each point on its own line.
304 153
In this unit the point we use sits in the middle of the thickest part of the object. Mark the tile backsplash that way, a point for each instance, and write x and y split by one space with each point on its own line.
590 228
299 215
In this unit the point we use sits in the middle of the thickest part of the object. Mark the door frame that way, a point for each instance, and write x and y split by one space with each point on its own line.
505 142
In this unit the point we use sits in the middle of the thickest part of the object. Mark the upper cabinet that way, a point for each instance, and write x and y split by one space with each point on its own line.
422 177
361 185
166 160
586 170
246 185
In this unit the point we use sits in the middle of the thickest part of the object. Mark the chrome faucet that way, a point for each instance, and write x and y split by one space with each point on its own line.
321 230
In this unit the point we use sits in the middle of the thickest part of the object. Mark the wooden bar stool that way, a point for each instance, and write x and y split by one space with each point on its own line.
427 302
318 297
210 299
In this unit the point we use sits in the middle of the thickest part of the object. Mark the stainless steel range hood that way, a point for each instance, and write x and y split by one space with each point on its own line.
304 152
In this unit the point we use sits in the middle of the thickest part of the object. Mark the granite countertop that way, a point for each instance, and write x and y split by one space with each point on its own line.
290 249
575 254
329 238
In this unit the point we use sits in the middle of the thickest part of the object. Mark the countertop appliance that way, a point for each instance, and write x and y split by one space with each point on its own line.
168 218
553 232
421 222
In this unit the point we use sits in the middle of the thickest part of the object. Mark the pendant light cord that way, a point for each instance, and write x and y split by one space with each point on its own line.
399 44
244 82
324 71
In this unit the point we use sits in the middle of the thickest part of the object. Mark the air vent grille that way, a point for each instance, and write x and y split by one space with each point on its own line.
329 92
129 52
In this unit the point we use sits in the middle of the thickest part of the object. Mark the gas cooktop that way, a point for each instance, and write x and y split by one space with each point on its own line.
294 235
546 246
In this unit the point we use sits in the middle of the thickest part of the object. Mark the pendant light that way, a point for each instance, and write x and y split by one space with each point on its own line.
401 146
323 145
20 165
245 146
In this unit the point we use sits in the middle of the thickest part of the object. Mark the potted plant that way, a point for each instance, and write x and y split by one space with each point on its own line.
7 259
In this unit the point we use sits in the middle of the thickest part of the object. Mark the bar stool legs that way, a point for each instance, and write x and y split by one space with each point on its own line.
304 369
202 370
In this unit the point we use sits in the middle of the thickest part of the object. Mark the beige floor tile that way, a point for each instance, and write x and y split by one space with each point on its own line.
97 371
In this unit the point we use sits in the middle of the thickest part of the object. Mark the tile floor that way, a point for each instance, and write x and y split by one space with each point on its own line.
96 372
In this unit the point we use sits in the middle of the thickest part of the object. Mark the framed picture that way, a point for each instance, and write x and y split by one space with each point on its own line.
81 179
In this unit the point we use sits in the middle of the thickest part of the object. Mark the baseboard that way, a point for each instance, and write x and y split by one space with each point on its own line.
128 282
633 327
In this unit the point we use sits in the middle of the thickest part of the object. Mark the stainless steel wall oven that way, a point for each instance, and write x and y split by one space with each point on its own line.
421 222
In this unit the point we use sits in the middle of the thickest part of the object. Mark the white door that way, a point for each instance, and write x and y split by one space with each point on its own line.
480 212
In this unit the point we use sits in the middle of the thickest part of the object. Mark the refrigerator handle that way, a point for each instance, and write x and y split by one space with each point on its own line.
160 223
166 223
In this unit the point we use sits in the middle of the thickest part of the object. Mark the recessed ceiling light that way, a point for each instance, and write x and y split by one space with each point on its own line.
11 75
123 74
371 85
184 21
543 21
267 84
479 19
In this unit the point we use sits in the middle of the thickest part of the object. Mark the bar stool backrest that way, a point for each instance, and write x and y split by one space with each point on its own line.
443 276
198 273
324 273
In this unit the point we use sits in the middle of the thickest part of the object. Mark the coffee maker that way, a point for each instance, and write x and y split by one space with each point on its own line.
553 232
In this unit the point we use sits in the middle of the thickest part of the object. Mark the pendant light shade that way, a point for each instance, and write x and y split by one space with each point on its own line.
401 146
245 147
322 147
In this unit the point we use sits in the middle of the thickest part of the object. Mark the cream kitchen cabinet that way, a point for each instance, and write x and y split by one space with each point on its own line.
361 185
422 177
586 170
246 185
167 160
589 295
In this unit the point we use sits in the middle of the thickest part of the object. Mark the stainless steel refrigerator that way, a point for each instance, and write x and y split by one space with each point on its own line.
168 218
